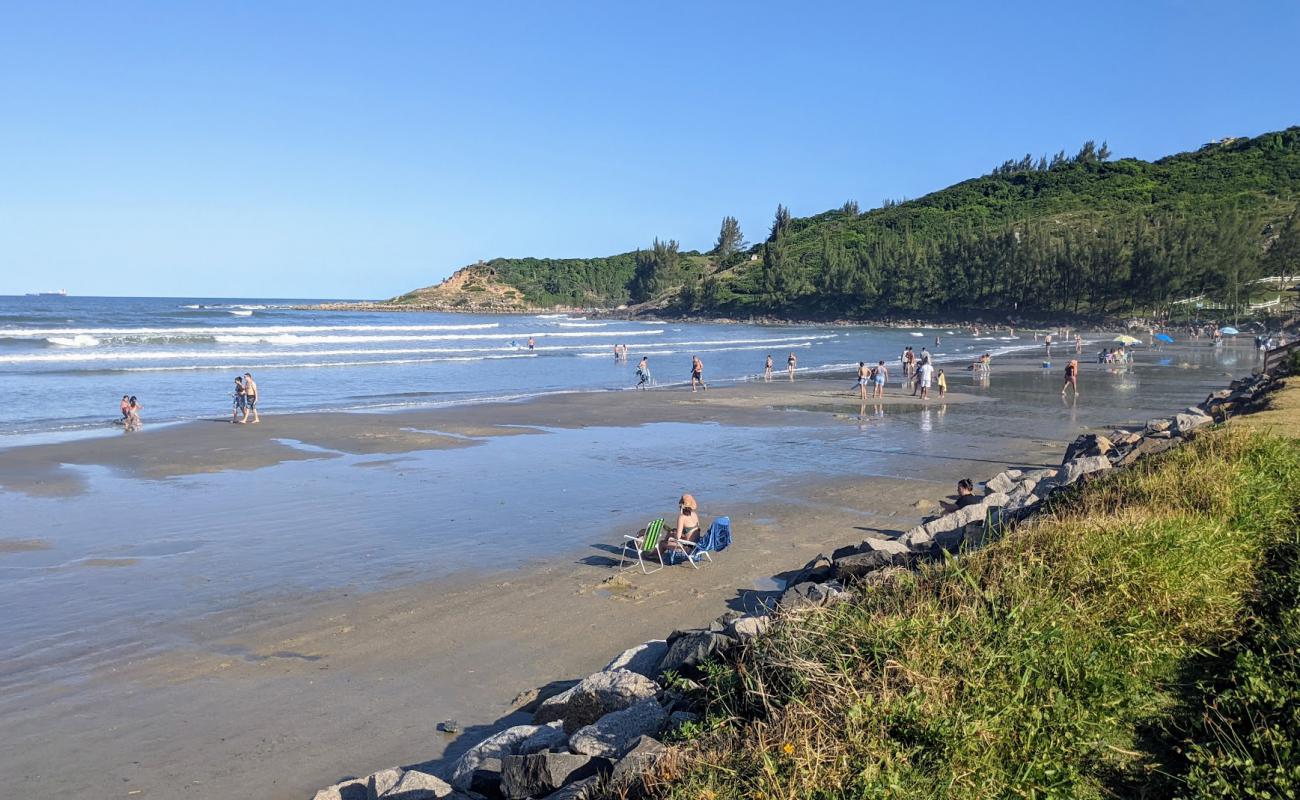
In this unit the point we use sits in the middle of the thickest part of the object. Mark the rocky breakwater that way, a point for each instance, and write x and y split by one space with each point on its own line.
605 731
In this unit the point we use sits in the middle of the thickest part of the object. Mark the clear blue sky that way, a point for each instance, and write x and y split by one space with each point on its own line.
330 149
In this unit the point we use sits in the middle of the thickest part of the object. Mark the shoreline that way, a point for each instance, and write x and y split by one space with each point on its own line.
993 319
466 650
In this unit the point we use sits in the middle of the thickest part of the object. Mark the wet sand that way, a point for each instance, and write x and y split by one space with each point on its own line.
279 697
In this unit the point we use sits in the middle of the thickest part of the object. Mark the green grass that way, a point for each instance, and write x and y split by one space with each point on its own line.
1139 640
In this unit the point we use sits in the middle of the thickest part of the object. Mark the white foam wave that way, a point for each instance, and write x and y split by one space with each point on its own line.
582 324
313 364
295 339
240 312
40 333
551 316
79 340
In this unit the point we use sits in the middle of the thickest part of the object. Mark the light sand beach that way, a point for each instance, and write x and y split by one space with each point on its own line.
290 690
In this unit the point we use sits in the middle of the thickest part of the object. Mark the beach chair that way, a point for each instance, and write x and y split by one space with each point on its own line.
642 546
716 538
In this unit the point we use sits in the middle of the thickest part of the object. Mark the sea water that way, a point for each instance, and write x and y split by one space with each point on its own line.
69 360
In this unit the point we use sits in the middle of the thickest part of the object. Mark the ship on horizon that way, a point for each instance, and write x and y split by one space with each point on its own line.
59 293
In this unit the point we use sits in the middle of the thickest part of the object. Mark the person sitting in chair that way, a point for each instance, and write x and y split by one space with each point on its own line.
965 496
687 528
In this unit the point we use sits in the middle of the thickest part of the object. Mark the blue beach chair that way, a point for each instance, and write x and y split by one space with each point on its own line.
717 537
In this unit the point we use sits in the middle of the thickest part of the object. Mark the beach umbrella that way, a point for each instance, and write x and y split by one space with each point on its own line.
1164 337
1124 338
1229 331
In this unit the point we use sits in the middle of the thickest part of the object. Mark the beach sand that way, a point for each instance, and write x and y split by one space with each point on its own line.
288 693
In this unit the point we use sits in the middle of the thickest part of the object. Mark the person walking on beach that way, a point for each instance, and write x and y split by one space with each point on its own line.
532 344
125 407
880 374
767 369
240 400
132 415
925 377
1047 344
1078 344
643 373
250 397
697 374
864 377
942 383
791 364
1071 378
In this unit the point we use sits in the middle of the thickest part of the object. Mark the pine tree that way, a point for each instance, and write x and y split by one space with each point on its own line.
781 223
850 208
730 239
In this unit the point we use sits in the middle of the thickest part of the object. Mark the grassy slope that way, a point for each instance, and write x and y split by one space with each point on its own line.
1141 639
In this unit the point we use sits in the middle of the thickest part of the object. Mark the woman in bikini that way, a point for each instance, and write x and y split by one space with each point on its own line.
688 525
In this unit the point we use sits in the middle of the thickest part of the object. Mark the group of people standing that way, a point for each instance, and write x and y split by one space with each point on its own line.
791 364
245 400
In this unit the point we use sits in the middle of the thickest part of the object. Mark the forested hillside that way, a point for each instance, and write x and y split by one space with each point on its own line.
1075 233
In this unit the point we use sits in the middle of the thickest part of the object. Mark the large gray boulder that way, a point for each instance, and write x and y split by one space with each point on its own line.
1186 423
378 784
859 565
643 659
1157 425
746 628
1003 481
638 760
1076 469
416 785
585 789
813 594
352 789
550 737
1089 444
614 734
1149 446
542 773
594 697
893 547
495 747
692 648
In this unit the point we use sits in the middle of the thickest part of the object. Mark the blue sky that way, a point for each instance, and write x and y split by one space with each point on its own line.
329 149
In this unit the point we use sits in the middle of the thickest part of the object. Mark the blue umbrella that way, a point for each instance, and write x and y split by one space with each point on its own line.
1229 331
1164 337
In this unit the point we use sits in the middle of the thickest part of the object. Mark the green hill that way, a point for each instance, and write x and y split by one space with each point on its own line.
1078 234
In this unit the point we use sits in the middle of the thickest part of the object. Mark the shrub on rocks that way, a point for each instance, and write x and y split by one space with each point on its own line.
595 696
614 734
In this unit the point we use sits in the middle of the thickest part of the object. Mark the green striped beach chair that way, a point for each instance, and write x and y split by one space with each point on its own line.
642 546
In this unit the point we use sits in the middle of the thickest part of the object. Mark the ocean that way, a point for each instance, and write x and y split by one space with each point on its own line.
71 359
